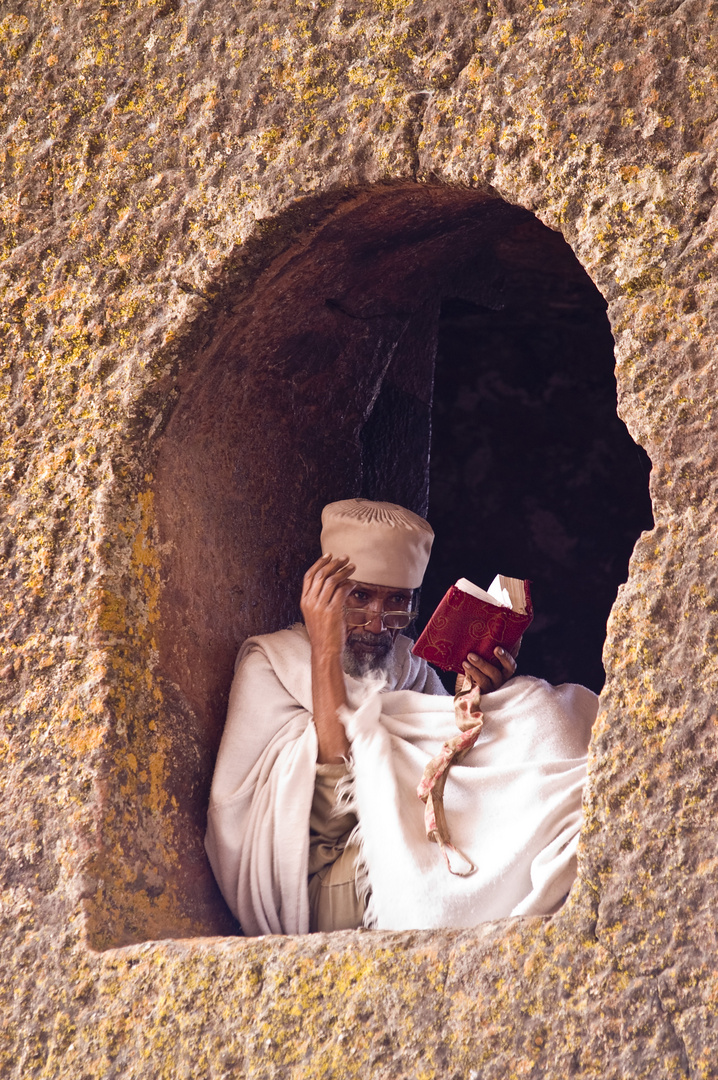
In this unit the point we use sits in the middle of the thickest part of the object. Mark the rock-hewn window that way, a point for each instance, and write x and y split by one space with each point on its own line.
316 382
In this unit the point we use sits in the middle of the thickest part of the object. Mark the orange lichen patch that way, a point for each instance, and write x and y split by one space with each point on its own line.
158 778
145 559
110 612
83 738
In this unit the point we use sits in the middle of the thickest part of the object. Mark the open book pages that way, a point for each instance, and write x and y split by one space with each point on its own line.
503 591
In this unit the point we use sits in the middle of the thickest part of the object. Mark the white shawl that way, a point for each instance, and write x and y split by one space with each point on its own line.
513 806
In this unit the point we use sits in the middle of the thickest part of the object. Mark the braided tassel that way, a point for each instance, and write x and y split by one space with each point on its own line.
430 790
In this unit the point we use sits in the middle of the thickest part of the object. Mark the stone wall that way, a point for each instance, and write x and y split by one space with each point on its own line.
172 172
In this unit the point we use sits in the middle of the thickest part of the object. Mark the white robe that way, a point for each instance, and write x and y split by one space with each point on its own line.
513 806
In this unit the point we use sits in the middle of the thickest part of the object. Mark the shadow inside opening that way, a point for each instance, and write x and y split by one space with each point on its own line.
532 472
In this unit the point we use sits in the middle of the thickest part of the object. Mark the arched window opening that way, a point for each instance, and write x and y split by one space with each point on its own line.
317 384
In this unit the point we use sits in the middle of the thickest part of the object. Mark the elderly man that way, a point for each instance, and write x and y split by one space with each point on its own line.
340 702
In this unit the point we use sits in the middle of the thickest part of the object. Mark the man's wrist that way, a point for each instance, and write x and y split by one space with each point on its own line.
326 658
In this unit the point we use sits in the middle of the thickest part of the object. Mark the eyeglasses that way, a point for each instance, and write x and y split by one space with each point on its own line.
391 620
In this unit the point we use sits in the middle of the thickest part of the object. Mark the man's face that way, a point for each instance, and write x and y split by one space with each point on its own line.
368 647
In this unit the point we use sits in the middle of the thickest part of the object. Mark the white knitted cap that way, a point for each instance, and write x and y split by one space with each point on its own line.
388 544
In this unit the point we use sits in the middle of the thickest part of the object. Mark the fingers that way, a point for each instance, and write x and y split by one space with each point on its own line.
326 576
486 675
325 567
507 661
321 564
482 673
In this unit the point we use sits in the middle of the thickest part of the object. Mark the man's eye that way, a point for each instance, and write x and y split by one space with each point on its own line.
358 595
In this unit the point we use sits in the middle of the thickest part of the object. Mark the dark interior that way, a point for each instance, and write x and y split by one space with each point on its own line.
532 473
315 383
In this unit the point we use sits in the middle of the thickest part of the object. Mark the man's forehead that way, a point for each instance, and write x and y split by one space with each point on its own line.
386 589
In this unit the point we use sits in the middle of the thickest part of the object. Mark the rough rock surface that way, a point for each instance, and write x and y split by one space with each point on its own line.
165 165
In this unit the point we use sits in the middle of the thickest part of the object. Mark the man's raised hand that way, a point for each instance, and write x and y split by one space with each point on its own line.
326 586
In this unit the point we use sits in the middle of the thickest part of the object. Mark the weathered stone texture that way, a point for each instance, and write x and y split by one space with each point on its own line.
163 163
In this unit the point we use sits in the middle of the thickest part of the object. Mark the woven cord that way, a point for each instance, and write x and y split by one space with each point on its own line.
470 721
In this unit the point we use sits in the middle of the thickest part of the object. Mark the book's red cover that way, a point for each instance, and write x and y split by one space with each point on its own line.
463 623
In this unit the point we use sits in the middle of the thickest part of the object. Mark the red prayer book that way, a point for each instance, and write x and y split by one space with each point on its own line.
470 619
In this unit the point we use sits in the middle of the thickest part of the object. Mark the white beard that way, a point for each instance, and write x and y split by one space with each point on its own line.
358 664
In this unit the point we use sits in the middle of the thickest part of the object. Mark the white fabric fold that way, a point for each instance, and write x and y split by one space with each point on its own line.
257 836
513 805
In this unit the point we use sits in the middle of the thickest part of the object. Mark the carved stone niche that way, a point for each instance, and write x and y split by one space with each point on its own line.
316 382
